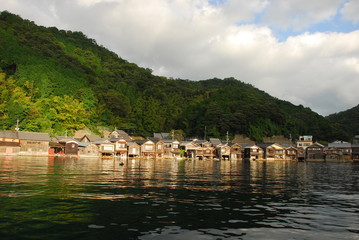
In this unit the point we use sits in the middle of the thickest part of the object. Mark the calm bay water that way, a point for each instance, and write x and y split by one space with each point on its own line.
47 198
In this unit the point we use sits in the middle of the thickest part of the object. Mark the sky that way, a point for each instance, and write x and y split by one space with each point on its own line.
302 51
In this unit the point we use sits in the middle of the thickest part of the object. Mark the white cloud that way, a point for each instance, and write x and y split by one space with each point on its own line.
197 40
350 11
243 10
299 14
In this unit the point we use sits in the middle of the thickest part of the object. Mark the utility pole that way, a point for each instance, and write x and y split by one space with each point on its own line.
227 138
17 125
205 132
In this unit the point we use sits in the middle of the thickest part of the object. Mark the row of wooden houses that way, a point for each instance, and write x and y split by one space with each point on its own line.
119 144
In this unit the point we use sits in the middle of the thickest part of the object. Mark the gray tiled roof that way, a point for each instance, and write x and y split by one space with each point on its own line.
8 134
34 136
215 141
92 138
339 144
161 135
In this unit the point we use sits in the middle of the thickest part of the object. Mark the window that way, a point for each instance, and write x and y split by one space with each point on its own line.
148 147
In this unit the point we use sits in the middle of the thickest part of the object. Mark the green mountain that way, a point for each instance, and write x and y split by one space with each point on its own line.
55 81
349 119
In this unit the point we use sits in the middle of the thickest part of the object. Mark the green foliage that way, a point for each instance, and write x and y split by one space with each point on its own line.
345 122
54 80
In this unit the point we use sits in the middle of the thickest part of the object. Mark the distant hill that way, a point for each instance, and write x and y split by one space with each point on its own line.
348 118
55 81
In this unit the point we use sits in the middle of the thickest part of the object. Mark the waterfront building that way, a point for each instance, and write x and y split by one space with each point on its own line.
133 149
147 148
236 151
253 153
272 151
171 149
223 151
9 142
63 145
315 152
87 149
160 148
120 147
192 149
291 153
208 150
106 148
34 143
304 141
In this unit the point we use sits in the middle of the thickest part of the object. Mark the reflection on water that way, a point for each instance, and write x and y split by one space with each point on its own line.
49 198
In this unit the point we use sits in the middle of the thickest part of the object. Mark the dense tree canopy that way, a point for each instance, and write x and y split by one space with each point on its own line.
54 80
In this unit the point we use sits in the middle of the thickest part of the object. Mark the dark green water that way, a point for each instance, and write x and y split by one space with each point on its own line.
44 198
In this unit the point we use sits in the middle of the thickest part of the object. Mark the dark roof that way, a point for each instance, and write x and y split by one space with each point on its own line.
200 141
34 136
140 142
120 134
170 140
161 135
316 144
91 138
132 143
8 134
154 139
116 139
264 145
64 139
339 144
215 141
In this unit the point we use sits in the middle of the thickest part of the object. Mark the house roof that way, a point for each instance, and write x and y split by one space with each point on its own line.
116 139
84 144
140 142
8 134
232 144
339 144
34 136
132 143
100 141
252 146
120 134
200 142
91 138
155 139
215 141
161 135
264 145
316 145
170 141
61 139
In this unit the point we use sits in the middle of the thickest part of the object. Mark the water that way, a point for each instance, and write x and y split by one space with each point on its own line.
47 198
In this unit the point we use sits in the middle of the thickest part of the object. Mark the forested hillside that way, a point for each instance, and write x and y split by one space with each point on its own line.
349 119
55 81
